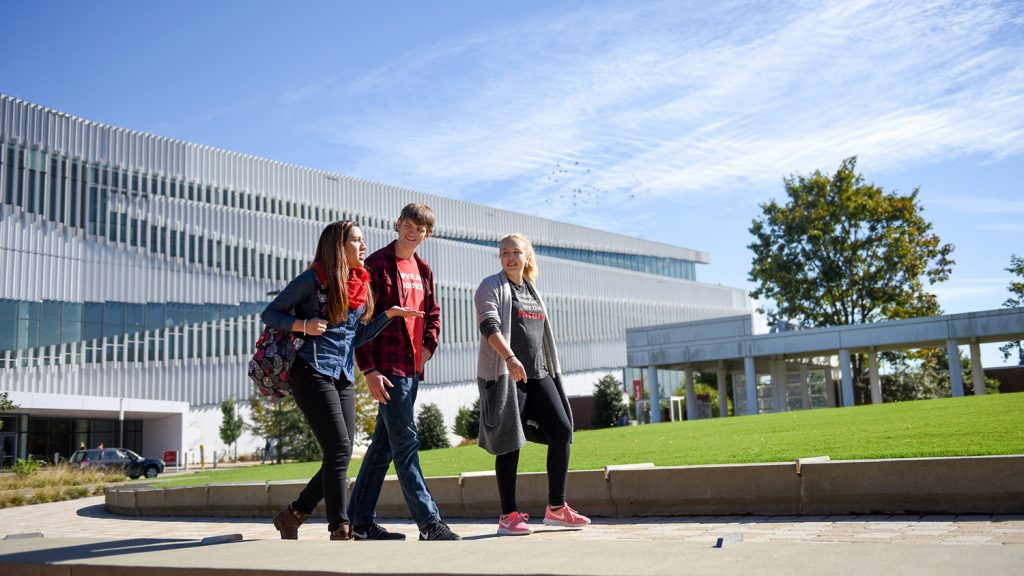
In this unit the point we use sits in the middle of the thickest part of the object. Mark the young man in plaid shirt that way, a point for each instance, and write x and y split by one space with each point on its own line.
393 366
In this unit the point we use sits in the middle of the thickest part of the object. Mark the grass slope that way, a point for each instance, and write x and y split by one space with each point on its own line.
968 426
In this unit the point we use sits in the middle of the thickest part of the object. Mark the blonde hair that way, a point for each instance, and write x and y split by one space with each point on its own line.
530 272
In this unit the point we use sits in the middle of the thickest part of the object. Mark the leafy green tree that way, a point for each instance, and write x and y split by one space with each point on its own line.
5 405
467 421
609 407
431 428
366 408
231 424
924 374
284 422
842 251
704 383
1016 288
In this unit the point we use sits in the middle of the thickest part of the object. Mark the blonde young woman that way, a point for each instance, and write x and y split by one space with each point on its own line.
521 396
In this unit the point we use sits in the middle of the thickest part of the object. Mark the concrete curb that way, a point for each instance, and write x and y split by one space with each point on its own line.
965 485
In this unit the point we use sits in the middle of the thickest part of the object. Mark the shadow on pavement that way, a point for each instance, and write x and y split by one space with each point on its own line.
96 550
100 511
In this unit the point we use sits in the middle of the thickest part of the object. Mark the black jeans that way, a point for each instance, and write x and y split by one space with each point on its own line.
538 401
329 405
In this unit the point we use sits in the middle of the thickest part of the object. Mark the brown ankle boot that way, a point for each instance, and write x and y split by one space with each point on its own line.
343 532
288 521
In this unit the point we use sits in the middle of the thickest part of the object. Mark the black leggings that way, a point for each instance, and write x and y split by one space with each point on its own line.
538 401
330 408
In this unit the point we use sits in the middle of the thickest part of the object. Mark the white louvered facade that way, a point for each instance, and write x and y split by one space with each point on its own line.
153 258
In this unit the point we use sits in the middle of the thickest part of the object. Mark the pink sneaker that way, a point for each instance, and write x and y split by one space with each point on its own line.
513 524
565 516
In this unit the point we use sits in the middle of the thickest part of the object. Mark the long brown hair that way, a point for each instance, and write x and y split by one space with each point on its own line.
330 255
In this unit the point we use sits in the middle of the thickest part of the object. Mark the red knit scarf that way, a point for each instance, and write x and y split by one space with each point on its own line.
358 284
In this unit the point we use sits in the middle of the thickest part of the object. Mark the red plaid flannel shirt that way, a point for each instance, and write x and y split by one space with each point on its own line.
391 352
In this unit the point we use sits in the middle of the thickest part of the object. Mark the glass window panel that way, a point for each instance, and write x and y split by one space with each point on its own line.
70 331
8 308
175 314
154 316
8 336
193 313
28 310
114 313
135 315
91 330
28 333
50 310
93 312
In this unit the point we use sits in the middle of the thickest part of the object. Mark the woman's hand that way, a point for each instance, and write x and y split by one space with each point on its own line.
311 327
515 369
403 312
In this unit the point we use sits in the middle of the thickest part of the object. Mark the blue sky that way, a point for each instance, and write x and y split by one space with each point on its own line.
666 120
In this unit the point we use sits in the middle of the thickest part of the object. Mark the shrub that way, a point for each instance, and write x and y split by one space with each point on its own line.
467 421
431 428
609 407
26 467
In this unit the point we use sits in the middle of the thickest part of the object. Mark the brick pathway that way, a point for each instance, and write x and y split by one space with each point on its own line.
89 517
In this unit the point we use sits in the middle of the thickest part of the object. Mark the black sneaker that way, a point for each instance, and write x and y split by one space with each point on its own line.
438 531
374 531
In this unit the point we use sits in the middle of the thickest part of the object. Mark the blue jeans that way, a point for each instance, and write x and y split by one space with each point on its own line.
394 438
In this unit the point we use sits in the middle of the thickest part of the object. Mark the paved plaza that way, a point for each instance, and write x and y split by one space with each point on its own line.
82 538
89 517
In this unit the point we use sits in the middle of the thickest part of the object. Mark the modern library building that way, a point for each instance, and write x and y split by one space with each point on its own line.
134 267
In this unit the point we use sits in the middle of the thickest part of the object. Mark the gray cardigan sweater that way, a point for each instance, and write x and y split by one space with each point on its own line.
501 429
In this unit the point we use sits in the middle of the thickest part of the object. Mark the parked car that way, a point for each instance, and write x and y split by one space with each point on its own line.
119 458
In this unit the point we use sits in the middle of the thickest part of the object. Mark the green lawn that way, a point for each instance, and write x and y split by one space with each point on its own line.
969 426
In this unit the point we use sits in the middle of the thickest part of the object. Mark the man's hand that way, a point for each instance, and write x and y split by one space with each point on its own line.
378 384
426 354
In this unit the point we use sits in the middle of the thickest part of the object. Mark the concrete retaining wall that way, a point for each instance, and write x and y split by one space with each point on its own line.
984 484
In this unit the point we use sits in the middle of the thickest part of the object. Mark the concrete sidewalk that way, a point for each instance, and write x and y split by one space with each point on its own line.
847 545
158 557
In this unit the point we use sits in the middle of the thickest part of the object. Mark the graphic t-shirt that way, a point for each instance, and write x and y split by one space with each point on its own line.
527 332
410 292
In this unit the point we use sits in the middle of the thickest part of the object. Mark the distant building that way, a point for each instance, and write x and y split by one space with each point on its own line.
133 269
802 369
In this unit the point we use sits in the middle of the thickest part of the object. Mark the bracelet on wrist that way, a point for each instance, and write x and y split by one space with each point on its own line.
509 356
304 328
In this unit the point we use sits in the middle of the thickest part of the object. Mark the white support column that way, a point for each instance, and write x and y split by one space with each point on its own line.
876 382
750 375
805 387
956 379
739 391
723 398
691 396
830 387
846 377
652 387
778 385
977 370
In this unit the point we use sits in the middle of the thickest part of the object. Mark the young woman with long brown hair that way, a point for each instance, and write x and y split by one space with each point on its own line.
334 322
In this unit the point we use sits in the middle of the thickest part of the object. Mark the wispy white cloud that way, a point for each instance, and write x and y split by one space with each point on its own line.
967 294
683 102
983 204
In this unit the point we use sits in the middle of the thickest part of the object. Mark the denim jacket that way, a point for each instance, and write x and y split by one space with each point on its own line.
331 353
